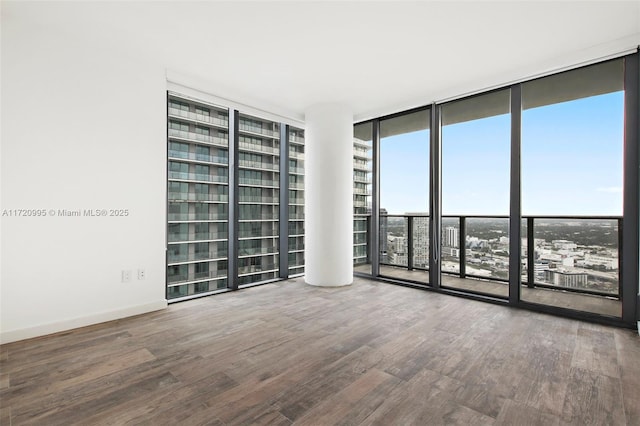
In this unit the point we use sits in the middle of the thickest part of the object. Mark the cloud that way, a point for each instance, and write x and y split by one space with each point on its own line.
613 189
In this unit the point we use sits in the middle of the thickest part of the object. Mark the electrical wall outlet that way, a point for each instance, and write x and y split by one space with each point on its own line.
126 275
141 274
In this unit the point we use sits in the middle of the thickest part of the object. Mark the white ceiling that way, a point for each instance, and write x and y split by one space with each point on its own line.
377 57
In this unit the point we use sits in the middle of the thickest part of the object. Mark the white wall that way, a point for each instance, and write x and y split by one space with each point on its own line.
83 127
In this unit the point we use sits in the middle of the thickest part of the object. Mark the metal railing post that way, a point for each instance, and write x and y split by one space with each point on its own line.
410 243
531 247
461 246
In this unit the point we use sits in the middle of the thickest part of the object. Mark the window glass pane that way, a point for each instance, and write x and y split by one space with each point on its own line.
296 201
197 192
362 168
404 195
476 146
572 170
259 180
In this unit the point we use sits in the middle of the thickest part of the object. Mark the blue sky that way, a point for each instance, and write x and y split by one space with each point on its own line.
571 163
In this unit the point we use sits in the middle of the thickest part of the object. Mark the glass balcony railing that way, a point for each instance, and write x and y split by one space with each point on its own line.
252 251
248 146
296 170
258 200
244 127
180 278
263 216
197 216
266 232
362 153
297 155
573 253
362 166
259 182
192 136
296 139
570 253
257 268
296 230
296 247
198 157
259 165
188 257
218 121
197 196
200 177
362 180
296 259
197 236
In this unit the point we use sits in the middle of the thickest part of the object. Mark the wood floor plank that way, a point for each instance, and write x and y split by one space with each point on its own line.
593 399
544 380
296 400
61 378
335 408
5 416
112 402
628 352
596 351
422 402
515 413
48 402
5 380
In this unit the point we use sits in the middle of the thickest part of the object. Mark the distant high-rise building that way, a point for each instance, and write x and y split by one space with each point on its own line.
564 245
539 269
361 198
566 279
420 240
451 237
398 246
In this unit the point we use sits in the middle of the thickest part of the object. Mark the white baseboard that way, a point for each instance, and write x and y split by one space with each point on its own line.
55 327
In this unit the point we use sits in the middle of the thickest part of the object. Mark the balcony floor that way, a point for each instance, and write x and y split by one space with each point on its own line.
551 297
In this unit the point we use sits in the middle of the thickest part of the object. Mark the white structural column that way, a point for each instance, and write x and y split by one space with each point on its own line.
328 195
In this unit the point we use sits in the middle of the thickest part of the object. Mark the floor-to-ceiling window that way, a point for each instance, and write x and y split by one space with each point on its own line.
259 183
207 221
404 196
362 169
198 197
572 183
296 201
535 194
476 137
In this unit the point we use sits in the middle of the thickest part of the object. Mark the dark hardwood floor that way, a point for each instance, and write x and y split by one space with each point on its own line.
288 353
